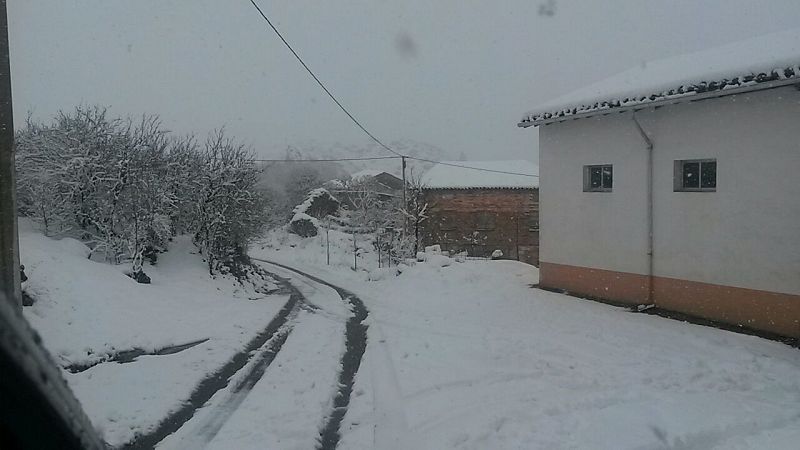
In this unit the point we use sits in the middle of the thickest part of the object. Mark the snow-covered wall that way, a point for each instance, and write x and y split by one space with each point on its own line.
745 234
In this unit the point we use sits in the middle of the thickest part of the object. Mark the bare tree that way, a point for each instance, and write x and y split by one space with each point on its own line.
414 212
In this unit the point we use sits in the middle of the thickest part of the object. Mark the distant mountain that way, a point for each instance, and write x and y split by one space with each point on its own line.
371 149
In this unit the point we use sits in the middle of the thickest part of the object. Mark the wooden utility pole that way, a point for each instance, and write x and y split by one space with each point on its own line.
9 244
405 202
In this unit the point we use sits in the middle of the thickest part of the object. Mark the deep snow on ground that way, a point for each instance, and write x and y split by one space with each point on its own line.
85 310
471 356
460 355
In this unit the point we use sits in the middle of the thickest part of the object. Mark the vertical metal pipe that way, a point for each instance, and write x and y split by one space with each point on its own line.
9 244
650 256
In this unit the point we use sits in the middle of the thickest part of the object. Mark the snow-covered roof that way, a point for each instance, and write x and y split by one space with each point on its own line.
366 173
495 174
752 64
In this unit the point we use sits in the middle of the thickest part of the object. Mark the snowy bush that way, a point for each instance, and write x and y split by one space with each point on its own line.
229 211
126 187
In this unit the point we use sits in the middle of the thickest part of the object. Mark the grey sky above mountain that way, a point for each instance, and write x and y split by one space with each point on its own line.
454 74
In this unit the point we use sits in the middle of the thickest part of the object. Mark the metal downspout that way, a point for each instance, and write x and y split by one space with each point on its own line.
649 143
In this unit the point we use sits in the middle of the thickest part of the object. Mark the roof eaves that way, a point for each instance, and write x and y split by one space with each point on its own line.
466 188
681 94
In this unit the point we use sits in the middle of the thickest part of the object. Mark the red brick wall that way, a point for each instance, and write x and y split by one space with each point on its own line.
480 221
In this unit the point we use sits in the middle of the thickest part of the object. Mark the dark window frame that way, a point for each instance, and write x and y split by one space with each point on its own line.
606 183
679 170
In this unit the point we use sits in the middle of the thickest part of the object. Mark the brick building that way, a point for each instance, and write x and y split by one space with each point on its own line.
483 211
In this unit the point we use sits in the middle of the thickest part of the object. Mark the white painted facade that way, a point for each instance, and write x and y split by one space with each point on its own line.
746 234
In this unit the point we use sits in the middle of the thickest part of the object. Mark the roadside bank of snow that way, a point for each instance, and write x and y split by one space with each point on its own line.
86 310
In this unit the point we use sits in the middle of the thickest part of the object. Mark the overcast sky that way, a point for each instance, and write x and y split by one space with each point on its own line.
456 74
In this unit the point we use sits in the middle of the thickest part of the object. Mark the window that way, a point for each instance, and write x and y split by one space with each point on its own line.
485 222
598 178
695 175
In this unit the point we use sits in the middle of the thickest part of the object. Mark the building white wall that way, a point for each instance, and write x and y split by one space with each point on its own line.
746 234
593 229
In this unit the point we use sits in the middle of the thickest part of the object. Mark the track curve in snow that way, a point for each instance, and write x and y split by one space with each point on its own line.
355 346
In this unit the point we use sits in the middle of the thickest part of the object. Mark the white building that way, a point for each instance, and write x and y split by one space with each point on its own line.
677 183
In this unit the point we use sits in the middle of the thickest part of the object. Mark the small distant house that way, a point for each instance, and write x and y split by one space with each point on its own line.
676 184
482 211
383 185
379 180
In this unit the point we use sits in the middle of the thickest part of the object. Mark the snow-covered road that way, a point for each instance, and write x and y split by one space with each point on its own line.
298 402
471 356
268 396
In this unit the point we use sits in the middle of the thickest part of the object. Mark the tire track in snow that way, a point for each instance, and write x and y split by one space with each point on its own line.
355 346
220 412
220 379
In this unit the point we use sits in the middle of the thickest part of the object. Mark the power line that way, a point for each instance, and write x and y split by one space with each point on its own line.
482 169
473 168
327 160
355 121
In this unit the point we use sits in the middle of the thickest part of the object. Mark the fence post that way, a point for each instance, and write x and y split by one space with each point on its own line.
355 253
328 245
516 238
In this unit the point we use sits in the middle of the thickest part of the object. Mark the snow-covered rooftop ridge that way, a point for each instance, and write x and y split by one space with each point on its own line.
366 173
750 64
446 176
300 211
